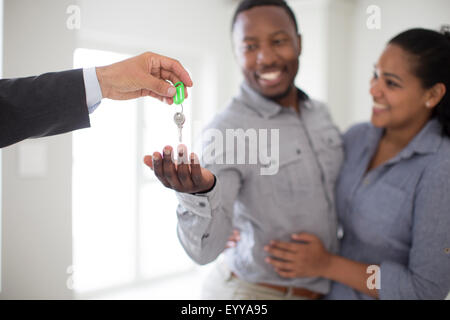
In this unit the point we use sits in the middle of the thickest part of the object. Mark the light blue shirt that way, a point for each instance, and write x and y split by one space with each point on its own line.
298 198
92 87
397 215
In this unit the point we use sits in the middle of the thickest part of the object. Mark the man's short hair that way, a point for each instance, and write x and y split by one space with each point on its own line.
248 4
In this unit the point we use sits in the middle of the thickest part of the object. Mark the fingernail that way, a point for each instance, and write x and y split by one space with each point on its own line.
172 91
166 151
180 150
267 260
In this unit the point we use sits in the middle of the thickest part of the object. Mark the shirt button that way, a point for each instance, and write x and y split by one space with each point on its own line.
206 235
340 232
447 250
202 204
298 151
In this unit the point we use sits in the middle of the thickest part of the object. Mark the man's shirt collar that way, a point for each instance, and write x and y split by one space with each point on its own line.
266 107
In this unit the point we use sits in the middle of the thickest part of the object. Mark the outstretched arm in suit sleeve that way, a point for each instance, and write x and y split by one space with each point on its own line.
45 105
55 103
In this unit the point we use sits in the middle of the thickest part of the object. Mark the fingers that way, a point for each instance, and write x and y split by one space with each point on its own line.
280 252
138 76
184 175
286 274
233 239
167 100
169 171
163 69
305 237
285 246
236 235
282 261
279 265
158 86
178 70
167 75
158 169
148 160
196 171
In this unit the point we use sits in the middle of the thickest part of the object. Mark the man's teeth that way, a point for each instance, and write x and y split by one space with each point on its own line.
270 75
380 106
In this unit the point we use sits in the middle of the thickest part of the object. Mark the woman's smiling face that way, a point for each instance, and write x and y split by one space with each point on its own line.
398 95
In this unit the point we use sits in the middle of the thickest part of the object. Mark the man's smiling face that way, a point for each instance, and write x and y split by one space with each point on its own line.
267 48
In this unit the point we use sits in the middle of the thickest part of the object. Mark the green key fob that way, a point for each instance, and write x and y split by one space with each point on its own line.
178 98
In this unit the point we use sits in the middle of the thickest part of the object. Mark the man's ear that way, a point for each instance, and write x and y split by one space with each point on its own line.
299 39
435 95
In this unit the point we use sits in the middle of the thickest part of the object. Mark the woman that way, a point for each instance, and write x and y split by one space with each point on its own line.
393 193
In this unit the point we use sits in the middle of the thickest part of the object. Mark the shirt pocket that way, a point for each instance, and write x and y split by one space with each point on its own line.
330 153
290 183
378 218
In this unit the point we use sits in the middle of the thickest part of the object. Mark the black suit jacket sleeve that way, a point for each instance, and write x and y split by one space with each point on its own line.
45 105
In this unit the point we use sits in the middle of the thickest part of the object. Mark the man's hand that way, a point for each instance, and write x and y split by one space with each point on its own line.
143 75
183 176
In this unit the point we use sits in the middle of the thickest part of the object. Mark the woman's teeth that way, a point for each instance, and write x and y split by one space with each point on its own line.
380 106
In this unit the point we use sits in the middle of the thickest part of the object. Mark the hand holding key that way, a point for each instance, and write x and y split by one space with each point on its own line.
182 176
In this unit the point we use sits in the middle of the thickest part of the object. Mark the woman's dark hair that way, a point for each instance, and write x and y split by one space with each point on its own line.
248 4
432 50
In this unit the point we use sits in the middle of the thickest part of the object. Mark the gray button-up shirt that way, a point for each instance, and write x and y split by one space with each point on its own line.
398 214
298 198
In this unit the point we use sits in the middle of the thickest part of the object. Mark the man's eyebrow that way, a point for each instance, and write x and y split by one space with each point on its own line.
249 38
279 32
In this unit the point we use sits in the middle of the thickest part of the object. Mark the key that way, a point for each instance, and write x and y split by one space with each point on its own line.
179 119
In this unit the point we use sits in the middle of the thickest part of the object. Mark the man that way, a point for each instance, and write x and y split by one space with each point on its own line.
55 103
298 198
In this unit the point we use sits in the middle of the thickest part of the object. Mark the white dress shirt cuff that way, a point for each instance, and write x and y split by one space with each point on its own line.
200 204
92 87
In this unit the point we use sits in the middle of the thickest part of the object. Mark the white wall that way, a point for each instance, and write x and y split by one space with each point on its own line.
36 226
326 27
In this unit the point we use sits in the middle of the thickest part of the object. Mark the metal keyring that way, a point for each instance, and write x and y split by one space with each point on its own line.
181 107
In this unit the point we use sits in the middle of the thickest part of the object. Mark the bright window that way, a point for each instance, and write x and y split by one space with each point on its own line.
124 221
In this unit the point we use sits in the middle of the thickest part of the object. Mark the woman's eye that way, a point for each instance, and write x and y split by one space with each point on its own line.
390 83
250 47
